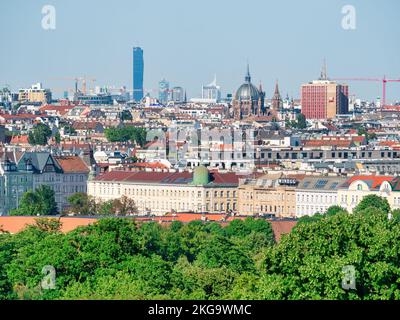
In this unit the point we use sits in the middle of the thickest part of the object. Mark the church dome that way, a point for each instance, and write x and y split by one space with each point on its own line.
247 91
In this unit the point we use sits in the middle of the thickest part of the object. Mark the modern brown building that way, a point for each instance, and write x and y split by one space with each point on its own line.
324 99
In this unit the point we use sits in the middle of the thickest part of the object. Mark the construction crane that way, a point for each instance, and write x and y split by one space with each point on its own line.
84 80
384 81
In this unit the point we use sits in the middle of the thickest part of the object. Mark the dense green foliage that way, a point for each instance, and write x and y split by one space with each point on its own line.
116 258
125 134
40 202
39 135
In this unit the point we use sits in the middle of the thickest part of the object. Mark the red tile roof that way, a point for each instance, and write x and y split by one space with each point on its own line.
282 227
327 142
62 110
166 177
72 164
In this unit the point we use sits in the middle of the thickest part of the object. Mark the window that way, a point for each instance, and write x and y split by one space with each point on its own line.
321 184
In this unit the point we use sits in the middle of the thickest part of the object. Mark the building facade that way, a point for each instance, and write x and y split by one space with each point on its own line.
159 193
317 194
35 94
357 187
163 89
211 92
21 172
272 194
324 99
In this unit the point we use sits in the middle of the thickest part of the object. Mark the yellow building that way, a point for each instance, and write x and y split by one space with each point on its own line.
356 188
162 192
35 94
271 194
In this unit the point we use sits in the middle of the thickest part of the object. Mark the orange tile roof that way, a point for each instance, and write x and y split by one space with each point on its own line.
70 164
376 181
327 142
17 224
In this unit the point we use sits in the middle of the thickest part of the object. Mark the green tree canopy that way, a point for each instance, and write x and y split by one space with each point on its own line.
40 202
125 134
373 201
39 135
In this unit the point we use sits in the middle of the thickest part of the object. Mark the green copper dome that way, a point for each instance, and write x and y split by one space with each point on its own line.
201 176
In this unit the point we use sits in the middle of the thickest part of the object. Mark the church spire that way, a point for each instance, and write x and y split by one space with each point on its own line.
247 78
324 75
276 99
277 88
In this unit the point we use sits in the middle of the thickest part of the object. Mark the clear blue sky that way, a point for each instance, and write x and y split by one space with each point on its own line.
188 41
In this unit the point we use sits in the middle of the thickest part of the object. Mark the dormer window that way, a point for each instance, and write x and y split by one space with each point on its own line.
359 187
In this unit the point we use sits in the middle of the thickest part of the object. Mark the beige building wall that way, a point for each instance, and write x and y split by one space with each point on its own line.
349 198
331 103
159 199
276 199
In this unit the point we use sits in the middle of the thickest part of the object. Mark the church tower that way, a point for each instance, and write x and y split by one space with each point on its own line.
276 101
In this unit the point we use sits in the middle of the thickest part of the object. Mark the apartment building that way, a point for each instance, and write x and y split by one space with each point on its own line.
23 171
317 194
356 188
271 194
162 192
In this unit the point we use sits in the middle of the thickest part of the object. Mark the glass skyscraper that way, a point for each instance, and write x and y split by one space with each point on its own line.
163 89
138 68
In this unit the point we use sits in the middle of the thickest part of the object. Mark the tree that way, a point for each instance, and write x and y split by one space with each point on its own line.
82 204
48 225
308 263
126 115
106 208
125 134
40 202
301 121
39 135
373 201
57 138
125 206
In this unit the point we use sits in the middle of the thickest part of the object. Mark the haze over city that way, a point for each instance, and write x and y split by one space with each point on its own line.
188 42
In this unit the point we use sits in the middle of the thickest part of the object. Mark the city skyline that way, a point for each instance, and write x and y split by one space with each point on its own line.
107 39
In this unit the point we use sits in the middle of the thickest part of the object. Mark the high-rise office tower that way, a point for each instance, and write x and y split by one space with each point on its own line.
177 94
163 89
323 98
211 91
138 68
